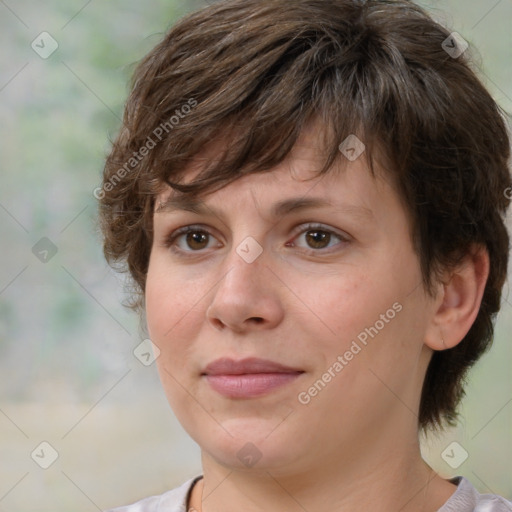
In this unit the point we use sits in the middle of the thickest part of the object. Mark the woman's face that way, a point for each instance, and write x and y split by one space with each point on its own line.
316 278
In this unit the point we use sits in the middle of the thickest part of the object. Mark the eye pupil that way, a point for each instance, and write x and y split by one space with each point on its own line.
318 239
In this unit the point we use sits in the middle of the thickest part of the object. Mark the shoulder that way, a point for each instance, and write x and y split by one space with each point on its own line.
467 499
171 501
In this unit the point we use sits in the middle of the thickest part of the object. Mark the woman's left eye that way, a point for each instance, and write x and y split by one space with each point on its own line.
318 237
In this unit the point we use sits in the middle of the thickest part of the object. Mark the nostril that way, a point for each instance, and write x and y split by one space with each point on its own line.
218 324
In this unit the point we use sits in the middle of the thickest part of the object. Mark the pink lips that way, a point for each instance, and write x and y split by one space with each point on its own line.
249 377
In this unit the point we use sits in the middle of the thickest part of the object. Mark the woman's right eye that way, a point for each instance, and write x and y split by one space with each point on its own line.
189 239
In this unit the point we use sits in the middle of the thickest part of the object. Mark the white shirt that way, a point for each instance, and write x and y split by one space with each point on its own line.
465 499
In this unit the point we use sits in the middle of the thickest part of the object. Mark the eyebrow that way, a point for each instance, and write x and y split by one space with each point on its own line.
279 209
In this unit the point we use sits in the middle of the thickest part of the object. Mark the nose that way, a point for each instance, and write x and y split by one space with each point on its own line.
247 297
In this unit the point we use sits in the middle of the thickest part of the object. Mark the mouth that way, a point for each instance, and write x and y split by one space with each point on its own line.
248 378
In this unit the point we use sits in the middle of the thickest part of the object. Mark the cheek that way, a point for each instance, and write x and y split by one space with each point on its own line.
171 315
159 311
170 300
363 315
340 306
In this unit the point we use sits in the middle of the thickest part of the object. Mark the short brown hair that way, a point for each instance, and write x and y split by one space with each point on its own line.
258 71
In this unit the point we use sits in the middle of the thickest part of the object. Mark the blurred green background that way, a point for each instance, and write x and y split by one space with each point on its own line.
67 369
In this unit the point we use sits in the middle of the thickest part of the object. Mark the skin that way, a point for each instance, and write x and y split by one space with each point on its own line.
355 445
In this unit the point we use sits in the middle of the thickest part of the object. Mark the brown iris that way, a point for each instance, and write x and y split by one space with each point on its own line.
318 239
196 238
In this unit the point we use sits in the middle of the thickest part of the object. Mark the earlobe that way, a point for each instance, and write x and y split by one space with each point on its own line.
458 301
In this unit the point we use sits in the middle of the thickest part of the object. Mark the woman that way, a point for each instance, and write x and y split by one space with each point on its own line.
310 196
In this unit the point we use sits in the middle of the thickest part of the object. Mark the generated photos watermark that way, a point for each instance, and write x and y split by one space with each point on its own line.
305 397
151 142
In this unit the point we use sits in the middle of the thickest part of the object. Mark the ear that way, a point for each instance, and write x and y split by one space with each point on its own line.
458 300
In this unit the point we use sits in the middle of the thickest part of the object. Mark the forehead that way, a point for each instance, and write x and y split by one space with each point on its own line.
287 189
293 184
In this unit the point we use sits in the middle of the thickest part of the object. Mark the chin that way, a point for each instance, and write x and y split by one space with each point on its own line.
251 444
246 456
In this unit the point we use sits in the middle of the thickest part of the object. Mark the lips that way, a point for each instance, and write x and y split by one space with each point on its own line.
249 377
226 366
